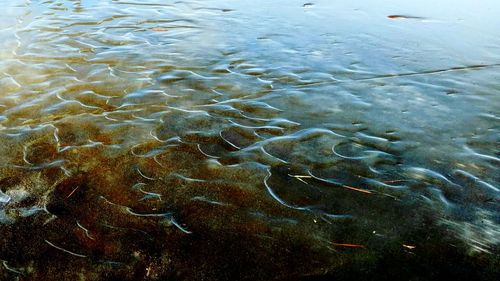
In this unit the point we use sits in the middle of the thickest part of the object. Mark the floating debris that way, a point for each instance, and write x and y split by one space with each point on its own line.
357 189
159 29
394 17
347 245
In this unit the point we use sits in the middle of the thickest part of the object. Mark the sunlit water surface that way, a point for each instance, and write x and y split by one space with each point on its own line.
249 140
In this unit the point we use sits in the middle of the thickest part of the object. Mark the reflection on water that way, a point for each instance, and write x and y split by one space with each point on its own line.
249 140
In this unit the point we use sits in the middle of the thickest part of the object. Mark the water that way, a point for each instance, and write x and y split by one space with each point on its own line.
249 140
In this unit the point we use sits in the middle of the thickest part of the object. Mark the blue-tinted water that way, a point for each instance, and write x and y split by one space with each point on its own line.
249 140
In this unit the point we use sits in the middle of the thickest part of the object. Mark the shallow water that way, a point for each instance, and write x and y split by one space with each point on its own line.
249 140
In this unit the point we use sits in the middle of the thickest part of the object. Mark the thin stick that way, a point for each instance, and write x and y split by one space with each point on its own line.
357 189
349 245
72 192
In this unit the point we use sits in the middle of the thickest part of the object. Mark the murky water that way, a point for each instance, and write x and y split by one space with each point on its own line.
249 140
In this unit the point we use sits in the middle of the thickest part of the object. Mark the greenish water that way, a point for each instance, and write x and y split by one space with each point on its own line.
249 140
